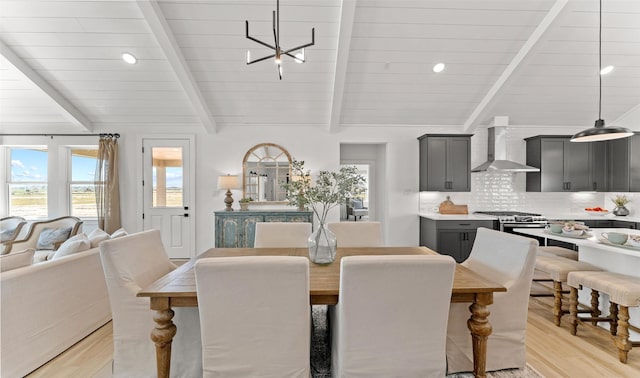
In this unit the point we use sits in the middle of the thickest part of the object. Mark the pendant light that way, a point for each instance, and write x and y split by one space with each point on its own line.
279 52
599 132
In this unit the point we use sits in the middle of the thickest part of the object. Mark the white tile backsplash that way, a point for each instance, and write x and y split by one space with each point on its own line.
506 191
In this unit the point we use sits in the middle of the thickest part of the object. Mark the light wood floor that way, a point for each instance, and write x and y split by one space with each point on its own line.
552 351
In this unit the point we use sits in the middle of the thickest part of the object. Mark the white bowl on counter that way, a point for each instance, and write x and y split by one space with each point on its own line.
600 213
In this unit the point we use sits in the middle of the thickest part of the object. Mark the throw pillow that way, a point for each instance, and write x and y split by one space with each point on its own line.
356 204
49 237
7 234
73 245
96 236
118 233
16 260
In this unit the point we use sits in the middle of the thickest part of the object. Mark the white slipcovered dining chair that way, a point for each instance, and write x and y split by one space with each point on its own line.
282 234
255 318
391 318
357 234
509 260
131 263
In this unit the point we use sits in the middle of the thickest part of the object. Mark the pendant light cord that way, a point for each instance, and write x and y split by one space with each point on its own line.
600 64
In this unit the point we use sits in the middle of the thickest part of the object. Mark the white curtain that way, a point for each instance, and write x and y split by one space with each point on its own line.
107 184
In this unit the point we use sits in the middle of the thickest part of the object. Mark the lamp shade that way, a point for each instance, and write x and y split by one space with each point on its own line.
599 133
228 182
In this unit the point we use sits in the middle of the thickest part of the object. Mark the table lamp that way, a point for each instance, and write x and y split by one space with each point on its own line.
228 182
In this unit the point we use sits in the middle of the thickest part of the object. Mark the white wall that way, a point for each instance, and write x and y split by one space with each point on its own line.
222 153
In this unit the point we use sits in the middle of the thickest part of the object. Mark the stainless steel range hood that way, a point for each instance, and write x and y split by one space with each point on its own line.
497 159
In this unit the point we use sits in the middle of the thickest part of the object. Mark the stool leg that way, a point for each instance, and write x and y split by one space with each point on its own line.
595 303
622 340
557 305
613 314
573 311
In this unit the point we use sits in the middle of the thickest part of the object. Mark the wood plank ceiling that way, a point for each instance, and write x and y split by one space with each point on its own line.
532 60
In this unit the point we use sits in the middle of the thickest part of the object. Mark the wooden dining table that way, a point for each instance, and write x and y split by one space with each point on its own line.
178 289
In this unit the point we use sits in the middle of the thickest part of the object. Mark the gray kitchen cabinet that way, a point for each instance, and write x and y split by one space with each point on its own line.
445 162
623 164
453 238
609 223
565 166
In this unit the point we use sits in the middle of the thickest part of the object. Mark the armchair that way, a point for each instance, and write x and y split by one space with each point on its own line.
10 228
356 208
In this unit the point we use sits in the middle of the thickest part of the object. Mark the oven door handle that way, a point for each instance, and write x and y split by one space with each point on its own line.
535 225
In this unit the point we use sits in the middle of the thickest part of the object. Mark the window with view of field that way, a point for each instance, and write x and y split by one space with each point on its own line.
28 182
81 184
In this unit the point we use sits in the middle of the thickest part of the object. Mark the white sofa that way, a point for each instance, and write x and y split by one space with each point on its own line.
47 307
30 240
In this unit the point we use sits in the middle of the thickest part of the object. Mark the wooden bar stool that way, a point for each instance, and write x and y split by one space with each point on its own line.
558 268
623 291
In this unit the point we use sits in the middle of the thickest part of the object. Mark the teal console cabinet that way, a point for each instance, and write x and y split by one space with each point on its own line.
237 229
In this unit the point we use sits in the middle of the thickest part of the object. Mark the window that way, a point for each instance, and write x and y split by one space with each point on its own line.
82 192
28 182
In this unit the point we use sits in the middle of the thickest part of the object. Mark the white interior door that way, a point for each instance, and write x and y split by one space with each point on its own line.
166 187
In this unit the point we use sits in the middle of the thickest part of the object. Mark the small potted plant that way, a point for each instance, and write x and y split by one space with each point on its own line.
620 201
244 203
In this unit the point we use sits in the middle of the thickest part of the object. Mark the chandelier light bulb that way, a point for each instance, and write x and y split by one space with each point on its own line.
248 56
300 57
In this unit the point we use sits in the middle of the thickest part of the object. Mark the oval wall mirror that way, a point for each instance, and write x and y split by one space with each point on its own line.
265 168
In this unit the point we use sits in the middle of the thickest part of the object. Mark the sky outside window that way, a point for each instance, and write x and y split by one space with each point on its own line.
28 165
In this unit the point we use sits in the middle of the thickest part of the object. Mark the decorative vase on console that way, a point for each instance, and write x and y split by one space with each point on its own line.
620 201
329 190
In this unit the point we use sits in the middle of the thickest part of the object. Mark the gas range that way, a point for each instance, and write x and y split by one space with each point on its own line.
514 219
514 216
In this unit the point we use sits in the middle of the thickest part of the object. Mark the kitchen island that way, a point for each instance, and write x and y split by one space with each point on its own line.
608 257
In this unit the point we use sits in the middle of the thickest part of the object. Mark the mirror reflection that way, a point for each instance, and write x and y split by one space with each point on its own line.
265 168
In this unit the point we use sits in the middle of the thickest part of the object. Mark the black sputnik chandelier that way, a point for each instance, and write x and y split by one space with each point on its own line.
278 50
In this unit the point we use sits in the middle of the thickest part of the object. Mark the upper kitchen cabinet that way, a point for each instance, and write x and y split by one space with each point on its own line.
565 166
445 162
623 164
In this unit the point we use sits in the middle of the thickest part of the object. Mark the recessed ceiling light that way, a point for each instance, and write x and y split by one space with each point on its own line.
129 58
438 67
606 70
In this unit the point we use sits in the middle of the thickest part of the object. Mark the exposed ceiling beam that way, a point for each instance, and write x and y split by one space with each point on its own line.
163 34
489 99
69 110
342 60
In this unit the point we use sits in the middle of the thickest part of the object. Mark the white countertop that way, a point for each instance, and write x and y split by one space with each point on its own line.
585 216
558 216
438 216
592 242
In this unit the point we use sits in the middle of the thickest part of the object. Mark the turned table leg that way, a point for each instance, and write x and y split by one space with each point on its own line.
480 329
162 335
622 339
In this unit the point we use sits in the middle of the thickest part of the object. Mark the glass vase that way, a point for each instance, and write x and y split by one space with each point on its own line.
322 245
